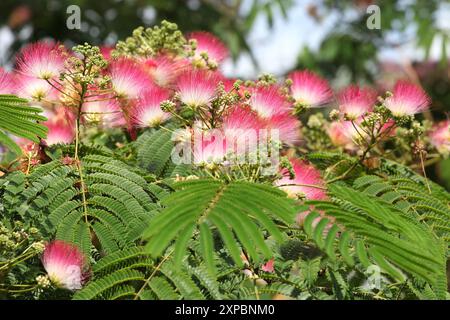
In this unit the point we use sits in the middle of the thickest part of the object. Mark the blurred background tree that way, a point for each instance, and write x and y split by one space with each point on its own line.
106 21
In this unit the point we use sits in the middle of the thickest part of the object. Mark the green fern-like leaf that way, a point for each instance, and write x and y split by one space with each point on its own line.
132 274
21 120
376 232
239 211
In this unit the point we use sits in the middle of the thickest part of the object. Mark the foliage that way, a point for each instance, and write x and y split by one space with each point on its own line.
311 218
21 120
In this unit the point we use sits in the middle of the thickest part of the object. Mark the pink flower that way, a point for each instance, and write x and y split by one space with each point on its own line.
106 52
8 83
147 111
267 101
128 78
59 132
65 265
339 137
164 69
209 146
241 128
196 87
309 89
107 112
407 99
42 60
286 126
33 88
307 181
440 136
269 266
355 102
209 44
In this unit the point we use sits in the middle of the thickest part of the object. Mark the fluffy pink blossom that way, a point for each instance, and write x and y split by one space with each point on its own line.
103 111
355 101
339 137
209 44
209 146
286 126
309 89
33 88
147 111
307 181
106 52
8 83
197 87
59 131
164 69
407 99
65 265
42 60
241 128
267 101
440 136
128 78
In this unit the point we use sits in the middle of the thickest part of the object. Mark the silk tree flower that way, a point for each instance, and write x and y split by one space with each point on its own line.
147 111
440 136
164 69
209 147
286 126
407 99
128 78
59 132
33 88
196 87
339 137
65 265
307 181
267 101
8 83
42 60
355 102
209 44
103 111
309 89
106 52
241 127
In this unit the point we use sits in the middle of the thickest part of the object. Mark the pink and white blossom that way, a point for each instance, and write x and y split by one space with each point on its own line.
286 126
355 101
164 70
307 182
33 88
407 99
103 111
59 132
209 44
65 265
268 101
440 136
309 89
128 78
196 88
42 60
8 84
147 111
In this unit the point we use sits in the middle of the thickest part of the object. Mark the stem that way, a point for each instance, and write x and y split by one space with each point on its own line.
153 274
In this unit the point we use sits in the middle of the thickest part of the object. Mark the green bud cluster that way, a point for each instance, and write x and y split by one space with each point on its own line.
150 41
